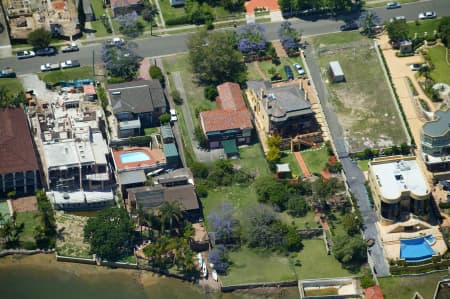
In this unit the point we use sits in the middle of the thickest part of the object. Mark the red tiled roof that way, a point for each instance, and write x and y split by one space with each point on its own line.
88 89
220 120
124 3
271 5
16 147
374 293
230 97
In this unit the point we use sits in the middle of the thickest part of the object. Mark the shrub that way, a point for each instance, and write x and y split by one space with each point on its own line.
164 118
210 92
114 80
181 20
367 282
398 54
29 245
156 73
176 97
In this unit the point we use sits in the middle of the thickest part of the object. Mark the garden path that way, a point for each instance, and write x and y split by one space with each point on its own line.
258 69
302 164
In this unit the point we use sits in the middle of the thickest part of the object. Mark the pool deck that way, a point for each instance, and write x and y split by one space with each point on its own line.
157 157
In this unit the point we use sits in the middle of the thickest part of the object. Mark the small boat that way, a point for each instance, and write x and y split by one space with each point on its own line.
204 272
214 275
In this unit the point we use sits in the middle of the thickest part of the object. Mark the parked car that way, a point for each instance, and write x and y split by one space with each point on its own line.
1 28
289 73
49 51
116 41
299 69
427 15
7 73
173 115
50 67
416 66
69 64
70 48
392 5
25 54
349 26
398 19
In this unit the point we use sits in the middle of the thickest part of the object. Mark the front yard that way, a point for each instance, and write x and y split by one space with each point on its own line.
405 287
12 85
316 159
266 65
441 71
84 72
423 26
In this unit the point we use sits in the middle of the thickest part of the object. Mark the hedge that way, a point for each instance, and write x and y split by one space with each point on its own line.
396 270
181 20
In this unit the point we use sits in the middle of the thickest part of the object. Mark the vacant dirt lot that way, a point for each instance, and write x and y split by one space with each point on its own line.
24 204
70 235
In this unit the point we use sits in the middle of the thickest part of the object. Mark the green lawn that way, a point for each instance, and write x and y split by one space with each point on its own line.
13 85
316 160
288 157
300 222
441 71
97 7
405 287
170 12
424 26
266 65
363 165
262 266
315 263
30 220
150 131
4 210
84 72
252 159
99 28
366 111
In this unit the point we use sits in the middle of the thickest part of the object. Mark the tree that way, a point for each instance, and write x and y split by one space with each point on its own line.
397 31
219 258
129 24
149 14
292 239
350 251
250 38
81 16
200 170
444 30
10 230
110 234
176 97
289 37
222 224
156 73
213 57
297 206
170 213
270 190
164 118
198 13
351 223
200 137
368 20
40 38
121 61
210 92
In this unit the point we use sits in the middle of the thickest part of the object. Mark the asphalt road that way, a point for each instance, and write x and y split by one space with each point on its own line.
171 44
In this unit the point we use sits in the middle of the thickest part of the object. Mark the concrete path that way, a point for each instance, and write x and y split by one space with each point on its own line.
302 164
279 49
144 67
161 18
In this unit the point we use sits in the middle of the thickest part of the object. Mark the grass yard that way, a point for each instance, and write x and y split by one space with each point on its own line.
289 158
315 263
363 103
300 222
30 220
252 159
405 287
266 65
13 85
424 26
150 131
316 160
4 210
363 165
441 71
170 12
84 72
248 265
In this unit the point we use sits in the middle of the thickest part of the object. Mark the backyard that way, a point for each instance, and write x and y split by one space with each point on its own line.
405 287
289 158
423 26
84 72
441 71
30 221
363 103
316 159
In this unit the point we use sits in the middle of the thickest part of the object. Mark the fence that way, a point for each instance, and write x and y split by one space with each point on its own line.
7 252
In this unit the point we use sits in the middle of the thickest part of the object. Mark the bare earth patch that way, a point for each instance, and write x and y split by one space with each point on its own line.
24 204
70 237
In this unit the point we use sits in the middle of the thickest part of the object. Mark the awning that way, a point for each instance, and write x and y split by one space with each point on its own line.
229 147
132 177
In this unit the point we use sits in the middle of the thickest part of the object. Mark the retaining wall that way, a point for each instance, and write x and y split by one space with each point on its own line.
7 252
259 285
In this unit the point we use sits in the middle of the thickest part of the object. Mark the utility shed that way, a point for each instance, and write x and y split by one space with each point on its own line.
335 72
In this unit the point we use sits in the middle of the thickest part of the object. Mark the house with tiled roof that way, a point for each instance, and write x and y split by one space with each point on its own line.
230 125
122 7
19 170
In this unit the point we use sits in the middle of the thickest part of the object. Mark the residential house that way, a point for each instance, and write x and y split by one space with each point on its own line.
136 105
169 147
230 124
283 111
436 144
87 9
19 170
121 7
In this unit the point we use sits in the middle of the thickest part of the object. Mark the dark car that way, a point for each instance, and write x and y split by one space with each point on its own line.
46 51
289 73
349 26
7 73
1 28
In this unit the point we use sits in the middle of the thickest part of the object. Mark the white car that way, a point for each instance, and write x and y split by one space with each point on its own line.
69 64
299 69
50 67
392 5
116 41
173 115
416 66
25 54
427 15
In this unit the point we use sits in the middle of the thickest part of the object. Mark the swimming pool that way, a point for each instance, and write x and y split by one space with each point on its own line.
134 157
416 250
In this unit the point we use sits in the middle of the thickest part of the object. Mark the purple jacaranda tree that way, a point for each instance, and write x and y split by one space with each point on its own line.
251 38
289 37
218 258
222 224
129 24
368 21
121 60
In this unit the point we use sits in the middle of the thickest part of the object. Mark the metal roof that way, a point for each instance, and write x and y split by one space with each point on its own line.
439 126
336 68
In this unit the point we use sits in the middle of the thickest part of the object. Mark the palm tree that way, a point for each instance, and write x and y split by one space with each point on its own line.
149 13
170 212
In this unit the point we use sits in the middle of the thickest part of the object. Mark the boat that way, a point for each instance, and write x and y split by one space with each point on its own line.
214 275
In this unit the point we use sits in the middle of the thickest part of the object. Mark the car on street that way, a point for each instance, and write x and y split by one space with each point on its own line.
116 41
25 54
349 26
173 115
392 5
416 66
49 51
289 73
427 15
1 28
70 48
50 67
398 19
69 64
299 69
7 73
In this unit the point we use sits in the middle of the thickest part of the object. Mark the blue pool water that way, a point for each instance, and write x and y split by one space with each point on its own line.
416 250
134 157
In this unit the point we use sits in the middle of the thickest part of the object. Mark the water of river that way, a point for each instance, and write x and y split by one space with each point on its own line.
19 279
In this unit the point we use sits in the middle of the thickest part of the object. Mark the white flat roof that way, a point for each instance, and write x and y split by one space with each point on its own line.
60 154
80 197
336 68
399 176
